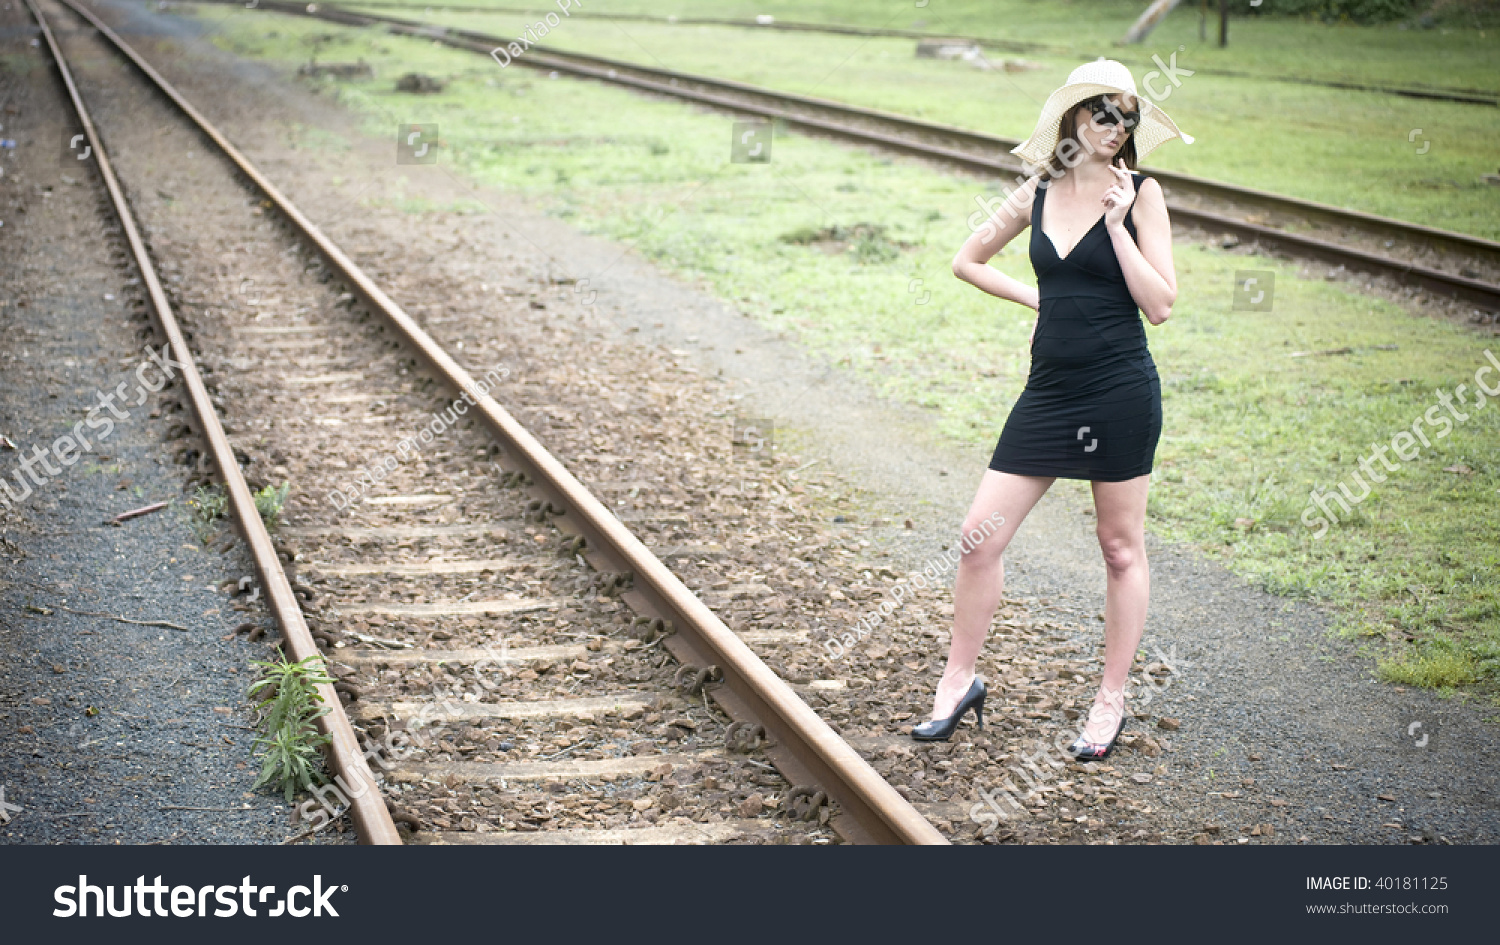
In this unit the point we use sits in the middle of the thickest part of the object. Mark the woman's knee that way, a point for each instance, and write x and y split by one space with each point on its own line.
980 540
1121 551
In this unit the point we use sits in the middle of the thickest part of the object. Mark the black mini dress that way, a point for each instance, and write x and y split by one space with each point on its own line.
1092 404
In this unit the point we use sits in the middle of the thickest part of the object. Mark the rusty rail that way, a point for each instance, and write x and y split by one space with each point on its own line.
805 749
372 820
1466 96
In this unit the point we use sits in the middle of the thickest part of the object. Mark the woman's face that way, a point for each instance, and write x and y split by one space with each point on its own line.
1106 130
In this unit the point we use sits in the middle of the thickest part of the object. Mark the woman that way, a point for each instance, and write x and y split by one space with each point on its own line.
1101 247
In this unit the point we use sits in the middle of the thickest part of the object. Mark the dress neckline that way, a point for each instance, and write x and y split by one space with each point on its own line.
1042 209
1074 248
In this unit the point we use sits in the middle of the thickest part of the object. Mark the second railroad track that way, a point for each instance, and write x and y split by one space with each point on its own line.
1442 262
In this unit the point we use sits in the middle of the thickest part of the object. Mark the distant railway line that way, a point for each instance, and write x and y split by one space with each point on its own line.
1485 97
1442 262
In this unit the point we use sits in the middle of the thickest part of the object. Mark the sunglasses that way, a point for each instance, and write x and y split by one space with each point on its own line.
1109 115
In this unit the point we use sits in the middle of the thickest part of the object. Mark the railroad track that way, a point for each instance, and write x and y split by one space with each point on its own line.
1465 96
517 662
1442 262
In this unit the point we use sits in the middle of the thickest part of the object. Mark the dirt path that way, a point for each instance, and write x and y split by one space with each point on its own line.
1279 724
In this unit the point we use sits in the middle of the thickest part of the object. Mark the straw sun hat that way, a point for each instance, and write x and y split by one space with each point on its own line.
1101 77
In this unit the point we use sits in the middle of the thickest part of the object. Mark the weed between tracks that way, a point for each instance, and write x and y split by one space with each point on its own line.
290 744
208 504
269 502
1416 579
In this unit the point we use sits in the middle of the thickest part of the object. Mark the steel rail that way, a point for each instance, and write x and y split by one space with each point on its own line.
983 141
1437 93
372 820
805 747
589 65
773 105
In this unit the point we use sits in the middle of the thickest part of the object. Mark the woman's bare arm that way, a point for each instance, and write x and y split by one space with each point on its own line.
970 264
1147 259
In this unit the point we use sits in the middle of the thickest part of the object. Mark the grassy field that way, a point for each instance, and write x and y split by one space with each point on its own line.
1401 157
1271 47
850 251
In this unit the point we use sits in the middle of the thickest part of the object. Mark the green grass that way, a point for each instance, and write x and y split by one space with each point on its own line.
1439 665
849 251
1400 157
269 502
208 504
1386 54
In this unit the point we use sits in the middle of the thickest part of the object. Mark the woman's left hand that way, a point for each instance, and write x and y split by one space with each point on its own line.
1117 199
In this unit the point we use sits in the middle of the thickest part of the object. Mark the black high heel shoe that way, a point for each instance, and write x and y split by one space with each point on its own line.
1085 750
940 730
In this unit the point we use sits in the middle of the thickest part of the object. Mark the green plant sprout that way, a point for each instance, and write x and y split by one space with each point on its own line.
269 502
289 746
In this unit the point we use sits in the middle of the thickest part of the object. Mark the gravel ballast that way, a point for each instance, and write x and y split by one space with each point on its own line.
1257 717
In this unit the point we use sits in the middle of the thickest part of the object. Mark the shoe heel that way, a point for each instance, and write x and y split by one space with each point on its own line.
940 730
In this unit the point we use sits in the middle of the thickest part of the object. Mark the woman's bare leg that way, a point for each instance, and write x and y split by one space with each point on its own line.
1005 499
1121 511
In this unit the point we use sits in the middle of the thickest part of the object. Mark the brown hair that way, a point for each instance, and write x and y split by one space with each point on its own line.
1067 130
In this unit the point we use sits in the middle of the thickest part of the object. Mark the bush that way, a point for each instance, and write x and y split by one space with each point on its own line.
1357 11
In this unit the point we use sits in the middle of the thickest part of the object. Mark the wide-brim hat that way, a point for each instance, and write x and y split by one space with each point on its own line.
1101 77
